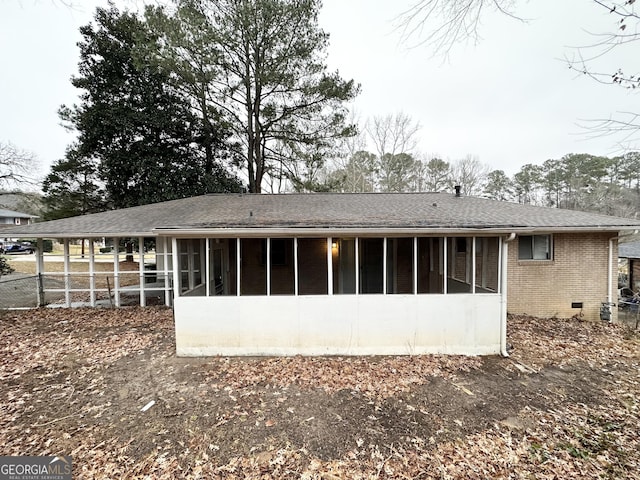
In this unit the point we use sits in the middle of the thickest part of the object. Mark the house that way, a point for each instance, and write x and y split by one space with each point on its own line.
357 274
9 218
630 251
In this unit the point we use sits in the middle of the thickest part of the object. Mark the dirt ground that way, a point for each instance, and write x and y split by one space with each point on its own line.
565 404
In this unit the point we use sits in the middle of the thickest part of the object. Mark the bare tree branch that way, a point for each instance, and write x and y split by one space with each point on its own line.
441 24
16 166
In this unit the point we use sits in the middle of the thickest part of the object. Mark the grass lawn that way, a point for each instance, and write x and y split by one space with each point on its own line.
128 271
566 404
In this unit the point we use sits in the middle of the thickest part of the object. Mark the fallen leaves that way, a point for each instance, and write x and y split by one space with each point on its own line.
376 377
62 392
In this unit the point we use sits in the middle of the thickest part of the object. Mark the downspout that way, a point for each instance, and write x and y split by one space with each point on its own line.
503 301
610 270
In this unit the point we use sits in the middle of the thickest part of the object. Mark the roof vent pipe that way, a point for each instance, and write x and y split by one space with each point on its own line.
457 187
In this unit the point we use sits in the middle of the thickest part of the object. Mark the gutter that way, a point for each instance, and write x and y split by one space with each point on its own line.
503 300
610 274
366 231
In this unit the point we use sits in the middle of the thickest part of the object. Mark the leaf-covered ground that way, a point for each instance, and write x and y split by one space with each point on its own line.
564 405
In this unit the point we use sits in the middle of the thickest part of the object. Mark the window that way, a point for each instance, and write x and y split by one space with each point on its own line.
534 247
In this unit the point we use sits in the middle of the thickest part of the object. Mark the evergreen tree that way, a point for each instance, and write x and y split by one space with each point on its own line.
73 188
143 135
262 63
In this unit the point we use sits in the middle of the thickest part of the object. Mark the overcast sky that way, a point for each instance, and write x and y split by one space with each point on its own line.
509 100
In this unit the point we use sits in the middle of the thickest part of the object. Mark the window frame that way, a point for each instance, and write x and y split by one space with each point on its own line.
532 258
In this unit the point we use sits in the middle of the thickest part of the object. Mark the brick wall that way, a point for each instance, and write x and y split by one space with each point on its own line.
577 273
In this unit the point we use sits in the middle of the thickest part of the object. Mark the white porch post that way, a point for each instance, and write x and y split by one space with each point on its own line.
207 262
295 266
267 261
473 264
175 262
116 270
92 274
329 267
238 266
384 266
165 254
143 298
357 254
415 265
445 259
67 279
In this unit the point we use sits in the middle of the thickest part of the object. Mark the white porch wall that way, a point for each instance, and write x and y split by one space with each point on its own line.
462 324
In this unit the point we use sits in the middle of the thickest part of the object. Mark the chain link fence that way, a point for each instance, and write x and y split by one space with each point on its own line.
31 291
21 292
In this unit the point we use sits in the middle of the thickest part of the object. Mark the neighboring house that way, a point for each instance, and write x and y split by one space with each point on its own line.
631 252
354 273
9 218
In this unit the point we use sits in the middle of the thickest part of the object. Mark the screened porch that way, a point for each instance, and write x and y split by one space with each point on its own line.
337 266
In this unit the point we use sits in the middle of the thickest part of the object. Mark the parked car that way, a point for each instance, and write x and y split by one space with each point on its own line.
10 248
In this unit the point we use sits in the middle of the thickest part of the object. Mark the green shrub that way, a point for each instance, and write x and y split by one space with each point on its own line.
5 268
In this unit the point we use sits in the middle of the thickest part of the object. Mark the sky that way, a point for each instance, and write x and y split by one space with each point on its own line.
508 100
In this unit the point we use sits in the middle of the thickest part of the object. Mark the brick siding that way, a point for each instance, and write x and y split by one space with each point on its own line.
577 273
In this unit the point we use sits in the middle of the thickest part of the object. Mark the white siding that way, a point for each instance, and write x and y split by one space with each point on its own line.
338 325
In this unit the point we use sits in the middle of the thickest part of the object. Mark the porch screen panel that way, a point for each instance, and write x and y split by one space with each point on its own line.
183 249
487 264
459 250
222 267
282 267
430 265
313 272
191 258
371 265
343 253
400 265
253 274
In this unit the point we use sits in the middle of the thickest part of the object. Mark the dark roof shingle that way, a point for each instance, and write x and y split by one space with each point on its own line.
361 211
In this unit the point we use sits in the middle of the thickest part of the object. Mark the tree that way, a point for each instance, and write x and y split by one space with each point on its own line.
359 174
143 135
397 172
498 186
436 175
394 138
16 165
441 24
262 63
393 133
73 187
527 182
470 174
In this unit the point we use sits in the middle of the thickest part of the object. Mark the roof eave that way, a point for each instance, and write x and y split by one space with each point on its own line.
81 235
254 232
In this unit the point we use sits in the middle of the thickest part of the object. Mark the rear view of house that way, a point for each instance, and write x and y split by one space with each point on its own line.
356 274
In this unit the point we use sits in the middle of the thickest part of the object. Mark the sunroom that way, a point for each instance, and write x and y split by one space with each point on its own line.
343 294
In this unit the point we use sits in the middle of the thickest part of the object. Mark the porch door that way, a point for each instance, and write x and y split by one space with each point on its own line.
218 280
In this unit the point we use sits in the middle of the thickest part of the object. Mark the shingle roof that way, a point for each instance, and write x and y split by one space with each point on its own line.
12 214
629 250
356 212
